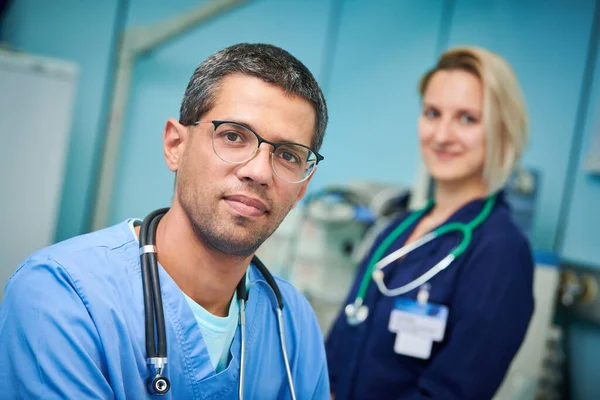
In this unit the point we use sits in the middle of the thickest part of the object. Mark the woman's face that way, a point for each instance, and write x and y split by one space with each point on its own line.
451 128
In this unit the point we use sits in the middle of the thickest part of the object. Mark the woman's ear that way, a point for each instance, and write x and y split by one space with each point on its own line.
175 138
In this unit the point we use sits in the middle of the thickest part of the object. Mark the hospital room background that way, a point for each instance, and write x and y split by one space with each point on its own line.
86 87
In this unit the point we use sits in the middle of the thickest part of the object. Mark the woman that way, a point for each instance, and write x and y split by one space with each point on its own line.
472 131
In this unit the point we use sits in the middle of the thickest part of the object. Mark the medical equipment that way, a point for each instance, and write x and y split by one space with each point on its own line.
535 367
357 312
156 350
322 240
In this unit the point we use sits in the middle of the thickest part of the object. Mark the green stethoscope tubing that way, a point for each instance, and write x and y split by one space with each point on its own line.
465 229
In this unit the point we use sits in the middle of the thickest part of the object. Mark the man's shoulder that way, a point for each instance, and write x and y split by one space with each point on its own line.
112 237
298 308
92 254
292 298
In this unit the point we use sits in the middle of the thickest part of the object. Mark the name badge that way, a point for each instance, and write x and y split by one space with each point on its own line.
417 325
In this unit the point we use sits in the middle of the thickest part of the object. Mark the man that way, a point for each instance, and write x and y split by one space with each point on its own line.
244 149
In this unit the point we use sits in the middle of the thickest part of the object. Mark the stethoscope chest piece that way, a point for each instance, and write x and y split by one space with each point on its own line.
158 384
356 313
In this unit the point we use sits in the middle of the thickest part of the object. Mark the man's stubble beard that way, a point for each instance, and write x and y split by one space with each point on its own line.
216 233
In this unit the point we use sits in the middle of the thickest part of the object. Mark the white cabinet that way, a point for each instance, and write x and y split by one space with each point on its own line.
37 95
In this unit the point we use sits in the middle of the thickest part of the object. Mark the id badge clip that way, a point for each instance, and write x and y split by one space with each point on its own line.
417 324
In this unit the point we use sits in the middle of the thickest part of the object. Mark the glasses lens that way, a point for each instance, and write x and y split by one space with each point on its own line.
293 163
234 143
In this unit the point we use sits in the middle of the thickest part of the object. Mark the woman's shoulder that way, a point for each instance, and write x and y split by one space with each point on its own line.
499 241
500 230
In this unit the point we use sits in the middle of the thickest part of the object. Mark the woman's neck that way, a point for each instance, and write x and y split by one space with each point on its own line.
450 197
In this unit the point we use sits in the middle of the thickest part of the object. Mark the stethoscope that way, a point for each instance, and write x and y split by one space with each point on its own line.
156 350
357 312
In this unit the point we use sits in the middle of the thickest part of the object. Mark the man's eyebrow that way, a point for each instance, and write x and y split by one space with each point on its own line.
277 139
239 122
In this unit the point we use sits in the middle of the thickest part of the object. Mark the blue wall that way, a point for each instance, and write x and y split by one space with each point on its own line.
161 78
547 47
581 238
379 56
82 32
369 60
582 243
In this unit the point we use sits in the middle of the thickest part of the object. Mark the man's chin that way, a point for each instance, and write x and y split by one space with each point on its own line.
238 242
238 249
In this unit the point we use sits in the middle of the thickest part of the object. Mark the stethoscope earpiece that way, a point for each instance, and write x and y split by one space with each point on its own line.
378 275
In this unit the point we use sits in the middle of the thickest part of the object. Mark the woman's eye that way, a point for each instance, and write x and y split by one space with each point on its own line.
467 119
430 113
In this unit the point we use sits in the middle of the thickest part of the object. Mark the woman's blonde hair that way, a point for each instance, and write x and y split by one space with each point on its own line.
504 110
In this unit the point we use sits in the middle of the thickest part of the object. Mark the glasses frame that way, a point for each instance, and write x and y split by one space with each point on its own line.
275 145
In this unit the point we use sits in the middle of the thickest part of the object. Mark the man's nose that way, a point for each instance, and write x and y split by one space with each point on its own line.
258 169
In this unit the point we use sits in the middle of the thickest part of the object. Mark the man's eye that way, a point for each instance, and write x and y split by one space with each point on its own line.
232 136
289 157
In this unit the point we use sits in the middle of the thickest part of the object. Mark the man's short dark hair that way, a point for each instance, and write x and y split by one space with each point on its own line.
267 62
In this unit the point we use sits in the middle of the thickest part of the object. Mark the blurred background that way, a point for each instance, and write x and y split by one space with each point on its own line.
87 86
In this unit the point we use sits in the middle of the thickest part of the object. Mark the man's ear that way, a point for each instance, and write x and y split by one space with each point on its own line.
175 137
303 189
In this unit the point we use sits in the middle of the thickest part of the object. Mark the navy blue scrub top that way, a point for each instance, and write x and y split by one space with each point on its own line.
489 293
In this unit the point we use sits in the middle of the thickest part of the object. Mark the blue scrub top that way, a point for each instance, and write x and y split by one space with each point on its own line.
72 326
489 293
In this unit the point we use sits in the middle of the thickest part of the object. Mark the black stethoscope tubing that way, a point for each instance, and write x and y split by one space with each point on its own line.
156 347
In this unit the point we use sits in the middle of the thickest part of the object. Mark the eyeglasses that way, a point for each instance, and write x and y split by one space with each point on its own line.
235 143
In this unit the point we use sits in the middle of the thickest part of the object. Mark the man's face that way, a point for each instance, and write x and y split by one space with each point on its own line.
234 208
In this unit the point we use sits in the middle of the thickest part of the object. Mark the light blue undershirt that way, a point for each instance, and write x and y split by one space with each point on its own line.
217 332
